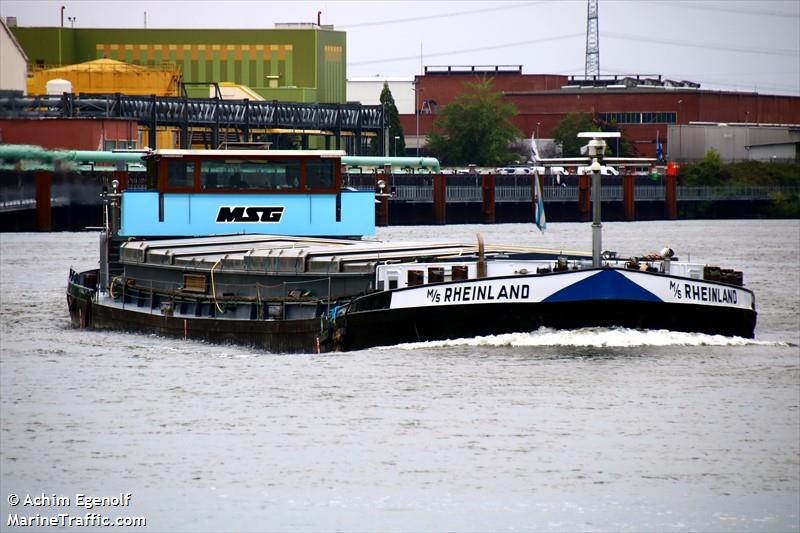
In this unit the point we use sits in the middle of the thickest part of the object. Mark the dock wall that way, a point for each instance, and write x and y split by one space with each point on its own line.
55 201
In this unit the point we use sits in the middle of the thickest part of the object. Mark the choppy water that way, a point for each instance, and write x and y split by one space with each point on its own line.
587 430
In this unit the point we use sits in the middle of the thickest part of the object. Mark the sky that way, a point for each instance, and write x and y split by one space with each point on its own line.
736 45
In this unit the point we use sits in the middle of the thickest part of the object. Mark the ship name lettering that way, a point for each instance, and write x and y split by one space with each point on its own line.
486 293
710 294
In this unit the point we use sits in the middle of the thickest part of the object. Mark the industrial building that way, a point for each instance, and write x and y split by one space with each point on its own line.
288 87
306 64
291 63
644 107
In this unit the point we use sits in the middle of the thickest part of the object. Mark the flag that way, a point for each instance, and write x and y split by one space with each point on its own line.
534 149
659 149
539 218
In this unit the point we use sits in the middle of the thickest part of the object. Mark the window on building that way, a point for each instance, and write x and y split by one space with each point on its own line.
644 117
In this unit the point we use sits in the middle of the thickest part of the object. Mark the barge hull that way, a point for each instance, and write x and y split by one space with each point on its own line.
359 330
277 336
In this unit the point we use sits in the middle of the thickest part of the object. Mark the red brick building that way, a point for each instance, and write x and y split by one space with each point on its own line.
643 107
70 134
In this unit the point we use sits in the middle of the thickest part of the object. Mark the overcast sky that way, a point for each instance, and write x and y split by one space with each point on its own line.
738 45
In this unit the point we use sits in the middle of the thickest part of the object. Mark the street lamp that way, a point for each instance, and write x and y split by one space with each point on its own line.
395 144
71 21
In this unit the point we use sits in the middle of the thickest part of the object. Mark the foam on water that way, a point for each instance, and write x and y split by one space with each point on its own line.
598 337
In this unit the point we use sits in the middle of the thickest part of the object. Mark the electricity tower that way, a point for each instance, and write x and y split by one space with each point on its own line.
592 40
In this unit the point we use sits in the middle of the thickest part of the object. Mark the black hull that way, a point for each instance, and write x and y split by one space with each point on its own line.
278 336
378 325
359 330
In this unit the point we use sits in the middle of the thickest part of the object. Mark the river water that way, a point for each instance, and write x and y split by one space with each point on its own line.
587 430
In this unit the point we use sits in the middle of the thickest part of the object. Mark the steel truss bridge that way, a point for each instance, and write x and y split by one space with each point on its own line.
214 120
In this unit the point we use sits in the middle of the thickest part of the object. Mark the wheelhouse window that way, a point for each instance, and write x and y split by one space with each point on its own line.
320 174
180 174
152 173
239 174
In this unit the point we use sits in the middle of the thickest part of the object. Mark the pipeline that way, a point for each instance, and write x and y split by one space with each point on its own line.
24 152
18 152
374 161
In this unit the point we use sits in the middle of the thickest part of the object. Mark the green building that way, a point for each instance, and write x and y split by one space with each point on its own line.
291 63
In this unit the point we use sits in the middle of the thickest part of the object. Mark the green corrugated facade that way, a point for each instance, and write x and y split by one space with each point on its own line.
307 65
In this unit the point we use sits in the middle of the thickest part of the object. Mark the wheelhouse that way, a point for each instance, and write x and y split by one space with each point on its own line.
245 171
213 192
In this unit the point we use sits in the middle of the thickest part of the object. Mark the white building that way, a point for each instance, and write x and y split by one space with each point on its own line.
13 62
368 92
734 142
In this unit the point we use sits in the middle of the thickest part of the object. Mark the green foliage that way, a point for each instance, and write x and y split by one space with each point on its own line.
397 147
621 147
785 205
566 134
712 171
707 172
475 128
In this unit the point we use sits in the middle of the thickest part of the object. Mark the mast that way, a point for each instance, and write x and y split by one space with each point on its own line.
595 150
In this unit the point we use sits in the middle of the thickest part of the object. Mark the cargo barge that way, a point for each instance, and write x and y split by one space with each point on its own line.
265 248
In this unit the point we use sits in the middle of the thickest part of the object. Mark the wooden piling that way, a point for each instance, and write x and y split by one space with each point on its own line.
629 196
440 199
584 197
671 196
487 195
44 217
382 215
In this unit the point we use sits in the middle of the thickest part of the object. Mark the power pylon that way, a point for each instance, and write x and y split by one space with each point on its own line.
592 39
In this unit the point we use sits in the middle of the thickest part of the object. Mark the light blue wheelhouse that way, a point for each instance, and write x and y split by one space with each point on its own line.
213 192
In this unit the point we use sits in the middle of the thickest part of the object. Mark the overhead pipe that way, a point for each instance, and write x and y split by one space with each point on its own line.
376 161
19 152
16 152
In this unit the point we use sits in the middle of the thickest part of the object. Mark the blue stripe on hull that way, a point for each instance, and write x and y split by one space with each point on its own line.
605 285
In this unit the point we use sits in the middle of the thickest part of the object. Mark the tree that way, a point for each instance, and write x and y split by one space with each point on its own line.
474 128
621 147
709 171
566 133
398 146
